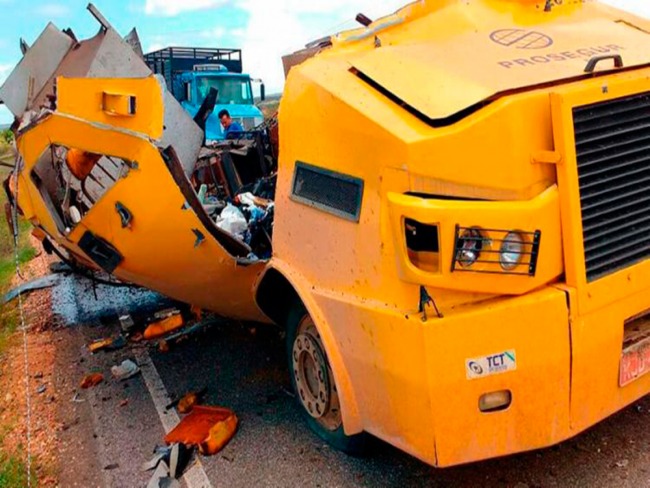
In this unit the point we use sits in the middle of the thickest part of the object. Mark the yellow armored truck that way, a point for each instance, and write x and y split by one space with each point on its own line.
457 229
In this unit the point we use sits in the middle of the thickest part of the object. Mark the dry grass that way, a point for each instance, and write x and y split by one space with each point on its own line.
12 466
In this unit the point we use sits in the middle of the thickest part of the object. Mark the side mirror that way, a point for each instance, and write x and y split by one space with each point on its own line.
188 92
262 88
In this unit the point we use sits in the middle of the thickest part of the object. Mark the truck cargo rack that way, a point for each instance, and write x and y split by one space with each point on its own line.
172 60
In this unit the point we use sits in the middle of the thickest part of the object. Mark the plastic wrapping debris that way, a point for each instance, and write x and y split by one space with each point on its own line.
232 220
174 458
91 380
203 190
249 199
161 478
126 370
208 428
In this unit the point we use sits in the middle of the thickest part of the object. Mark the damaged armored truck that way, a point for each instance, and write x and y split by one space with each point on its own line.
461 261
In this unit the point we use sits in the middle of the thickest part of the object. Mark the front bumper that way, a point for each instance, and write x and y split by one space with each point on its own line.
411 383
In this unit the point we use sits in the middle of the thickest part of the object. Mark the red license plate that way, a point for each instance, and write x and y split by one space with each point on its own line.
635 362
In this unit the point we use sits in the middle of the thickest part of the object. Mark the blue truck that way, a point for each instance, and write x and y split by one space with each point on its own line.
190 72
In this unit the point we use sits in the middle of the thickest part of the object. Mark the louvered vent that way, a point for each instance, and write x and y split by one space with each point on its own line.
330 191
613 150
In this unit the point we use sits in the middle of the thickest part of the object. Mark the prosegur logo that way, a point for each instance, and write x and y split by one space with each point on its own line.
521 39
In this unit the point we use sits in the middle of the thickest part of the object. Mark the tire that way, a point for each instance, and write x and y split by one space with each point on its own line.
314 385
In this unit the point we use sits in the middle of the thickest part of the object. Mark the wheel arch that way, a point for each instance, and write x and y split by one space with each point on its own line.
276 292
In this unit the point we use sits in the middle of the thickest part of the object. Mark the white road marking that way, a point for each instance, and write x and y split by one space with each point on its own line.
195 476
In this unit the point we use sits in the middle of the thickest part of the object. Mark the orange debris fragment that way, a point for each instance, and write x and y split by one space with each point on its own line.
208 428
92 380
163 326
186 403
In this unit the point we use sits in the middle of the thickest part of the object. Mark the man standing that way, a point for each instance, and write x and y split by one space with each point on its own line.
231 129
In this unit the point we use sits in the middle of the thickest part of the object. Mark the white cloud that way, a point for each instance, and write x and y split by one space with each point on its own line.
634 6
5 70
52 10
278 27
274 28
175 7
282 26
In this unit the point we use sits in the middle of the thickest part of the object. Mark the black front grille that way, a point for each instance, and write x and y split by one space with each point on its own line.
613 150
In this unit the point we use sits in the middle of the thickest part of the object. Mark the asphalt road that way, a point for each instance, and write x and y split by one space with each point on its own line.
103 443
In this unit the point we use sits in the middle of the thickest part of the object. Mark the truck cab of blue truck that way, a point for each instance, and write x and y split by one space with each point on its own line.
190 73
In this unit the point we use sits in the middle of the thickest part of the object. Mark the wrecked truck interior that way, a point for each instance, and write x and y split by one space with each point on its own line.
72 180
121 179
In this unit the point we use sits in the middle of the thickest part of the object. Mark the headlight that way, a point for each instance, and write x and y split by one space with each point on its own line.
470 244
512 248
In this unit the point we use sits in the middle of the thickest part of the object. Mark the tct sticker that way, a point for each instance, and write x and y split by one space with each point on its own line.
489 365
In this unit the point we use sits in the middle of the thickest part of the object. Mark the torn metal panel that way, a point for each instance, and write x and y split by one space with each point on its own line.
133 40
33 72
100 18
33 285
117 59
106 55
181 132
132 104
24 47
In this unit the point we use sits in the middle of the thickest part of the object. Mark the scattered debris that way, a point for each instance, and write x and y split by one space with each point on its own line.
169 463
161 478
110 467
124 402
108 344
165 345
232 220
126 323
188 402
164 326
622 463
77 399
91 380
60 267
208 428
126 370
289 393
176 457
33 285
41 389
137 337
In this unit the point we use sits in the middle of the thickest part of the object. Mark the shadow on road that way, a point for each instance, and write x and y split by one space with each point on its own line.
243 367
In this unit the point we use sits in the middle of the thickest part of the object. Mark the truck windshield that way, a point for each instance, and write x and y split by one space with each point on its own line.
232 90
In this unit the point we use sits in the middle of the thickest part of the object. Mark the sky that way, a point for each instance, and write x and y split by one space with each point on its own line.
264 29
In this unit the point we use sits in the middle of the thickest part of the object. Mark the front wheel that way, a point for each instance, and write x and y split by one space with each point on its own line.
314 385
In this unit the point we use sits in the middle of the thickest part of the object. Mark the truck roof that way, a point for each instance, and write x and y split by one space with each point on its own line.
174 59
441 59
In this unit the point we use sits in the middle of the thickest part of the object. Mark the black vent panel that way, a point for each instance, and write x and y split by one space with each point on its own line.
613 151
326 190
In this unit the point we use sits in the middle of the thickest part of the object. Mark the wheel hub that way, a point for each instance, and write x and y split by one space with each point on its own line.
311 374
